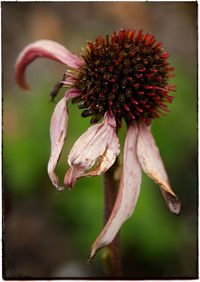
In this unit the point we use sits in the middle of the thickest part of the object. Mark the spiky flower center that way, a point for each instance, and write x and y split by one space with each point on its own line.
126 74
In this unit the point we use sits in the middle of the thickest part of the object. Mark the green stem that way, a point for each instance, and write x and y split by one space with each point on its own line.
111 254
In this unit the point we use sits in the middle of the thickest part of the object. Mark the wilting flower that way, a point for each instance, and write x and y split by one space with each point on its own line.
124 77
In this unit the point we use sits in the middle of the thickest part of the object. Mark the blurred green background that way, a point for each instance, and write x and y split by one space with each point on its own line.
49 234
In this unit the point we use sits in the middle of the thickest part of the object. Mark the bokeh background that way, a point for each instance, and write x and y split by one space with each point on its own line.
49 234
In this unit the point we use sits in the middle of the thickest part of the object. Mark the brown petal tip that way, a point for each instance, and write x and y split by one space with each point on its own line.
72 175
90 260
173 202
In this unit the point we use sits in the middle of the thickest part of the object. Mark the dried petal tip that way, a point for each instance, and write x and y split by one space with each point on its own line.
89 261
72 175
173 202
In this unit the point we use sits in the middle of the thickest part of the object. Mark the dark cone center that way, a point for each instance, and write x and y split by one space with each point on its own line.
127 74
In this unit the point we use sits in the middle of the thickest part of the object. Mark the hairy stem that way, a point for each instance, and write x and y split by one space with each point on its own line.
111 254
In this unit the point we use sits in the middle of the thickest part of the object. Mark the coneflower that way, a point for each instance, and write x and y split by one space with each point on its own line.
124 76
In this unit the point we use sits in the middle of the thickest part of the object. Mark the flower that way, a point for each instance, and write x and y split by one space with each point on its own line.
124 77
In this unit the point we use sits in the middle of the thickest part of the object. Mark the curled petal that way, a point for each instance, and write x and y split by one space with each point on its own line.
99 141
151 162
43 49
128 192
58 131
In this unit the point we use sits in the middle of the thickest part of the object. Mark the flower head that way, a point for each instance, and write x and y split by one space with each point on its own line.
127 74
124 77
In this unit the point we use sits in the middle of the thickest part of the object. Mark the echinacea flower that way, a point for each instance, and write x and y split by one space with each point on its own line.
122 77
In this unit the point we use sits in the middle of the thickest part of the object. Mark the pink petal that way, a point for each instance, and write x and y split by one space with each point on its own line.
99 141
128 192
43 49
58 131
72 93
108 158
72 175
151 162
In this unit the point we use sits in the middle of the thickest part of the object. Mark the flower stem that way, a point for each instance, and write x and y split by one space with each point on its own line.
111 254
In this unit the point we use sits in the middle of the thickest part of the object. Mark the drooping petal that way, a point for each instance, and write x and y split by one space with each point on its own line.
99 141
151 162
43 49
128 192
58 131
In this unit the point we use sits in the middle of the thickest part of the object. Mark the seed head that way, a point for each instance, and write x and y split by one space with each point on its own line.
126 74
